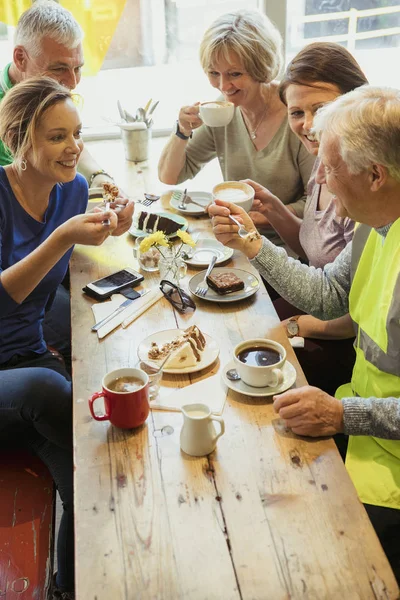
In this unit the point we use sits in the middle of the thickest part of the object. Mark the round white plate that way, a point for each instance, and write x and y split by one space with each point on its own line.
203 198
210 353
251 285
289 378
177 218
203 252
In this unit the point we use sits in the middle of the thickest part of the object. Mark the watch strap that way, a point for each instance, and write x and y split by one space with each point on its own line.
181 135
99 172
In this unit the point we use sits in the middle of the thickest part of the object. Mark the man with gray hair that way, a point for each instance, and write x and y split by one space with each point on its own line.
48 41
360 164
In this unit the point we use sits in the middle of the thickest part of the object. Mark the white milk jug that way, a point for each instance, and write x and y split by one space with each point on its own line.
198 435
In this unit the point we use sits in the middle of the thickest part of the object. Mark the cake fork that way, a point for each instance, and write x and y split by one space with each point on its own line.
202 288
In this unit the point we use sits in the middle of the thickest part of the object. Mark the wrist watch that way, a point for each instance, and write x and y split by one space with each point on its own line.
181 135
292 326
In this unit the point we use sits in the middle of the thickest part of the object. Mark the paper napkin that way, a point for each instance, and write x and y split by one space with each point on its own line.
210 391
132 312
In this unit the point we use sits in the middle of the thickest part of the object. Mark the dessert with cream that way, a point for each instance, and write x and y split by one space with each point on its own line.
186 349
152 222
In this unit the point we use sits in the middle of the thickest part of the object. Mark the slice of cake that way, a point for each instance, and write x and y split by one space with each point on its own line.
225 283
185 350
151 222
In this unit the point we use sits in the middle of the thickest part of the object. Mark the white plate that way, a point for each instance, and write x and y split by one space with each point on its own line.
251 285
177 218
205 250
210 353
203 198
289 378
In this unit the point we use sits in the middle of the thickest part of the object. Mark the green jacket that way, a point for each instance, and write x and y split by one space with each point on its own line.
5 85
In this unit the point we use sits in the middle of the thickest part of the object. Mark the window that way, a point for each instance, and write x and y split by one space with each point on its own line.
370 29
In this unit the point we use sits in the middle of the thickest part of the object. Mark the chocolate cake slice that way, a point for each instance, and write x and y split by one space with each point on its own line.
225 283
151 222
168 226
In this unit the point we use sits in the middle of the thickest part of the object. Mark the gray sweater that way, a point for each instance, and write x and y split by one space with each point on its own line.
284 166
324 294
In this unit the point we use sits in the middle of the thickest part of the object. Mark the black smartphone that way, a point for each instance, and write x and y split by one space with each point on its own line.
105 287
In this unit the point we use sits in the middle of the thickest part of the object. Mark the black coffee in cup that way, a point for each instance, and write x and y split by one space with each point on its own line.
259 356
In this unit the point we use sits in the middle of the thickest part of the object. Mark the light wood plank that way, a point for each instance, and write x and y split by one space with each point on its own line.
268 515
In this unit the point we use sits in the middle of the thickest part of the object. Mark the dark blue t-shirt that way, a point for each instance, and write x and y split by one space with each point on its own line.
20 234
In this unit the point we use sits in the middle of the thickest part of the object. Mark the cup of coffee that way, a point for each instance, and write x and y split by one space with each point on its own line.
126 398
237 192
259 362
216 114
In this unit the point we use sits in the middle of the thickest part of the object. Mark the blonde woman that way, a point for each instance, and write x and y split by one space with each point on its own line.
241 55
42 215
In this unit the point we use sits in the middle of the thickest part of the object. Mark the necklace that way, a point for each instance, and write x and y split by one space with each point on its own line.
253 134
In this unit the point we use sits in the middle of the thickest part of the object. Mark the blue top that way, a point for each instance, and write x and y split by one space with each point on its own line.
20 234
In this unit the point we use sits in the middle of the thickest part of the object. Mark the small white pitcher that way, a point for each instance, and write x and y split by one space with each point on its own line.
198 435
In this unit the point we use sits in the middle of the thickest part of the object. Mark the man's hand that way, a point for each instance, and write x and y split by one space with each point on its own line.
310 411
226 231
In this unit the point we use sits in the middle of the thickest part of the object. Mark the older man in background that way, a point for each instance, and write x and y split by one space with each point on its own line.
360 164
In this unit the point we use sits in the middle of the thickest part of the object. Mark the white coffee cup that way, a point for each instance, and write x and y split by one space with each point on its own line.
260 370
216 114
237 192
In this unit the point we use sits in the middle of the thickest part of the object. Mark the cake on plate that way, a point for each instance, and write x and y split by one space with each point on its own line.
185 350
225 283
152 222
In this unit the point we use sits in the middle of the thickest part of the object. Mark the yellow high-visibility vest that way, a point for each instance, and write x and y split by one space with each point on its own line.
374 306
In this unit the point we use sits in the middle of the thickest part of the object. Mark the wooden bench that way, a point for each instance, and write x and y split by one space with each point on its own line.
27 497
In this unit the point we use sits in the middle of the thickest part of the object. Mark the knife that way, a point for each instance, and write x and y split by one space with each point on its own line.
116 312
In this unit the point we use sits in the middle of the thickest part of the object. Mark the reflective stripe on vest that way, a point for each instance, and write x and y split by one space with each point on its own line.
374 304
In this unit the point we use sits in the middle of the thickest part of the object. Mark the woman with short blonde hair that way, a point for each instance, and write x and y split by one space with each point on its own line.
241 53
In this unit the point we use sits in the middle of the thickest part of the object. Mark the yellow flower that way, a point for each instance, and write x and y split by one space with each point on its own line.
155 239
186 238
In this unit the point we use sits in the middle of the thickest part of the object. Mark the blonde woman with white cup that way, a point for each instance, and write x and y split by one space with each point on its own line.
241 55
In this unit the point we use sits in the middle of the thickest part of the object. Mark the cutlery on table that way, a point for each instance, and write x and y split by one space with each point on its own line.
149 199
118 310
202 288
183 201
189 200
242 230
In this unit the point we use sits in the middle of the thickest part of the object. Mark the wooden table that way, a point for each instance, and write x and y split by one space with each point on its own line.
268 515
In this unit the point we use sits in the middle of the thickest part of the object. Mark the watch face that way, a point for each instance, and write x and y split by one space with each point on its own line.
293 328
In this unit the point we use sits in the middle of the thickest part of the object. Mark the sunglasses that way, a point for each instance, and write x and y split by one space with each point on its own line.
176 296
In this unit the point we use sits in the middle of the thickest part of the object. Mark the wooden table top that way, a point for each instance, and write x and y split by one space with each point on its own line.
268 515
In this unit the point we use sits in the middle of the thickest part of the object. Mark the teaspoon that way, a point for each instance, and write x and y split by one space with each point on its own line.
233 375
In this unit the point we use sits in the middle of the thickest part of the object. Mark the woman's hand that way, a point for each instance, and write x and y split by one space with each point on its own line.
264 201
123 208
226 231
90 229
189 118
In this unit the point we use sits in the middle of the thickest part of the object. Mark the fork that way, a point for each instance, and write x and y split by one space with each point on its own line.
183 201
202 288
242 230
149 199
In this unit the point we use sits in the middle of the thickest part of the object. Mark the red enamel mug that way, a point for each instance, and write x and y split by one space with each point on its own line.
126 398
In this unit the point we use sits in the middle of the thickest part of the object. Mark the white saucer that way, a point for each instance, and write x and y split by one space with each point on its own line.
209 355
289 378
203 198
201 255
251 285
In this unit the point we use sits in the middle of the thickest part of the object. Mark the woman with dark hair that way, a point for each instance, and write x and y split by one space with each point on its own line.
319 73
42 215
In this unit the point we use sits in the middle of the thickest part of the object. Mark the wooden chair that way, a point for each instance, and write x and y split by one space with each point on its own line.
27 497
